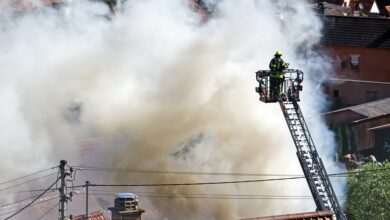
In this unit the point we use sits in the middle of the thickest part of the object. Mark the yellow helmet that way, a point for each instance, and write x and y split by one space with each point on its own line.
278 53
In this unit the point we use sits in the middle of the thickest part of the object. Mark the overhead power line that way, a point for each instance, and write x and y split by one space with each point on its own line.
28 175
37 203
103 169
345 174
39 196
29 181
176 196
34 190
145 194
190 184
214 196
18 202
48 211
202 183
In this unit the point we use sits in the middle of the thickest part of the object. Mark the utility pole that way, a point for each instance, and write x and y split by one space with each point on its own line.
86 199
64 197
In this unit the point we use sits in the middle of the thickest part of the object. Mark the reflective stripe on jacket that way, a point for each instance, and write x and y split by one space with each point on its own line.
277 65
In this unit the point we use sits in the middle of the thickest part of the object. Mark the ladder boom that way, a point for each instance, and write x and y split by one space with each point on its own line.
312 166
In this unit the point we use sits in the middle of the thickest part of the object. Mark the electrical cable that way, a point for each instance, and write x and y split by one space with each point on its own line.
345 174
34 190
19 201
207 194
203 183
209 197
29 181
37 203
186 184
39 196
58 176
194 183
31 174
48 211
16 202
191 184
194 196
102 169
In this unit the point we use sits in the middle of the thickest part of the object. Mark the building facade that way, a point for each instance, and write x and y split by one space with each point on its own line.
359 90
363 129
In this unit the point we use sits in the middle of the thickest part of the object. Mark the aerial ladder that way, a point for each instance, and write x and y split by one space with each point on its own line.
312 166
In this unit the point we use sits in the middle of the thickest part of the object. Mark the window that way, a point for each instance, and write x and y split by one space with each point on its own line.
355 61
337 103
372 96
343 64
335 93
326 89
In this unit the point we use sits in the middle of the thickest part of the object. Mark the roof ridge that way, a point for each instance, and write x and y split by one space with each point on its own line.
356 17
359 81
359 106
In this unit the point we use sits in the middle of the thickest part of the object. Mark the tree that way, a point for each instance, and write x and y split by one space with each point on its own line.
368 195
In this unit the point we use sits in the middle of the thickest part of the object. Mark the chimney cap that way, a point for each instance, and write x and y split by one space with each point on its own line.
126 196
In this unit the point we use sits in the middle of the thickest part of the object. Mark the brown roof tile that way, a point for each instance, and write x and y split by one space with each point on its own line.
368 110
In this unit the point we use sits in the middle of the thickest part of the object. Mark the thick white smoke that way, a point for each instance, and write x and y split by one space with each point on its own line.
157 88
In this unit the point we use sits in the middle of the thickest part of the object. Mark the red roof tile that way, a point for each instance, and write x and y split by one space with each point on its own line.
321 215
91 216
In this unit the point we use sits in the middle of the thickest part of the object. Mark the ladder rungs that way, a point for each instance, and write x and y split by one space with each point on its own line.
306 153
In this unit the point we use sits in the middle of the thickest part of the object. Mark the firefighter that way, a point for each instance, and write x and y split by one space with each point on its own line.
276 66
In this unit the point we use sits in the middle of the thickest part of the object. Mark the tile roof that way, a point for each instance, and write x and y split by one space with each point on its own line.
356 31
352 6
369 109
320 215
91 216
336 2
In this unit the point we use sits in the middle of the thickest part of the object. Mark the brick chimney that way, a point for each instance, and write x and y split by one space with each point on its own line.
126 207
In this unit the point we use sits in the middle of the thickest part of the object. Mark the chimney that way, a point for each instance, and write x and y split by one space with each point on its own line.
126 207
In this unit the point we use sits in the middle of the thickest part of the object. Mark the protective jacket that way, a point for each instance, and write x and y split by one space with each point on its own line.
277 65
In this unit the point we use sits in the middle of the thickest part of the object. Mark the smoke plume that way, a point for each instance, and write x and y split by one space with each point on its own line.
157 87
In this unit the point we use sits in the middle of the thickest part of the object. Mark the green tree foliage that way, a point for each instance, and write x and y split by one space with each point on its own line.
368 195
345 137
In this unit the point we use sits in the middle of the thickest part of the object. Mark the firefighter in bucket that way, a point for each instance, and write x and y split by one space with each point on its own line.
276 66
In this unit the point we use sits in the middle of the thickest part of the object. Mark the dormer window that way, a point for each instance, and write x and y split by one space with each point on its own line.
355 61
